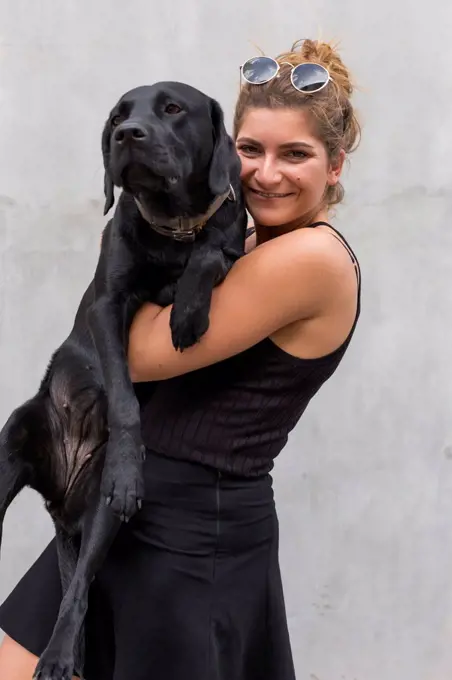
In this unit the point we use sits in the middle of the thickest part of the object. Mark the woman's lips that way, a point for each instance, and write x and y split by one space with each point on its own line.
268 194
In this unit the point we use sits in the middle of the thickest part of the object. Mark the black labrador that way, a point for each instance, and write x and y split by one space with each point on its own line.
178 227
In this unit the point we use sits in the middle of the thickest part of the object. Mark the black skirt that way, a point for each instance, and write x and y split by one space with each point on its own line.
191 589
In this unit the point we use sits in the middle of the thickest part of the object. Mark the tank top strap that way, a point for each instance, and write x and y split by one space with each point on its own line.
251 230
341 238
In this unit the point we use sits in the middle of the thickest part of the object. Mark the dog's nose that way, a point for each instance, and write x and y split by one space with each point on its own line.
129 131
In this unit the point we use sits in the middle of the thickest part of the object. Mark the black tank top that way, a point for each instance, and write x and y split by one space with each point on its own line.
236 415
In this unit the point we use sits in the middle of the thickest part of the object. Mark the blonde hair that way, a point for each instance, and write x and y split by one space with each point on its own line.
331 110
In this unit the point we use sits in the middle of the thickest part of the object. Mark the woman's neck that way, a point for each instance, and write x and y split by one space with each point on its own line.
264 234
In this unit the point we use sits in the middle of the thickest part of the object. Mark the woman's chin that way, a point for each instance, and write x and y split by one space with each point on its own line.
272 212
270 218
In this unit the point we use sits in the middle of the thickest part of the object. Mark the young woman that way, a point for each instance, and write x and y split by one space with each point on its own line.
191 589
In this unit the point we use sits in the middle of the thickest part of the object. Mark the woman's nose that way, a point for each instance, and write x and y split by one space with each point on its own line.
268 173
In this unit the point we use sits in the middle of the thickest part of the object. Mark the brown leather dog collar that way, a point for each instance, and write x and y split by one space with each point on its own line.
186 228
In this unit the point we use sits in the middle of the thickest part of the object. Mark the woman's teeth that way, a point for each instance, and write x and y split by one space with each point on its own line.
267 194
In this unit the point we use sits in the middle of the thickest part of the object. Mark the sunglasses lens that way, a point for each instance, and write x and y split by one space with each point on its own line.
309 77
259 70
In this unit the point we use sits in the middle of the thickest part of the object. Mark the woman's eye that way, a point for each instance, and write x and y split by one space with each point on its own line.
247 149
297 155
172 109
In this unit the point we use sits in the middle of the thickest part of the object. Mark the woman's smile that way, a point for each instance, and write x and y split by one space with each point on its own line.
267 195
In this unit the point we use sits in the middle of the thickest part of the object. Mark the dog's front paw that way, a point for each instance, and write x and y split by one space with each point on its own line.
189 321
122 476
54 665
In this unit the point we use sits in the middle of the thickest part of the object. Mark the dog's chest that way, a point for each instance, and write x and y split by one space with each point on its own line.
157 272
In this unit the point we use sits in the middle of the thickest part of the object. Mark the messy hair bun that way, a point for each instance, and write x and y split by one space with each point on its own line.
331 108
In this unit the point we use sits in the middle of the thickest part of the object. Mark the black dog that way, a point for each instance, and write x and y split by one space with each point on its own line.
178 227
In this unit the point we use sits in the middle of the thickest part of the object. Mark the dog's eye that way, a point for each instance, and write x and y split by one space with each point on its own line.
115 121
172 109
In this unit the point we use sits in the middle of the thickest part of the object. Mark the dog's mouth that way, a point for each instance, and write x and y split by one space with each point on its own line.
137 177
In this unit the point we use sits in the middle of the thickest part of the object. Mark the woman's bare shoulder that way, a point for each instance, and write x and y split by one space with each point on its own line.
310 247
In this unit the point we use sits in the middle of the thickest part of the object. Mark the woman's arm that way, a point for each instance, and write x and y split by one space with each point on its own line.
290 278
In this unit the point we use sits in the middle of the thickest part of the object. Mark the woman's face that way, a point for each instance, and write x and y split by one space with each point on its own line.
285 167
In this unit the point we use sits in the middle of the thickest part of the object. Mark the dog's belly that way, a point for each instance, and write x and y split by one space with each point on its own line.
77 415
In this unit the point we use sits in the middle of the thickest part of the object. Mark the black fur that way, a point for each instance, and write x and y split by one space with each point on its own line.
77 441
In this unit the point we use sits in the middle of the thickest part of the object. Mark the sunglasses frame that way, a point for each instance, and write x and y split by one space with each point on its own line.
278 68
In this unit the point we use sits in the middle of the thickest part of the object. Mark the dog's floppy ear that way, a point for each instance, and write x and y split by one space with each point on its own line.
108 182
220 164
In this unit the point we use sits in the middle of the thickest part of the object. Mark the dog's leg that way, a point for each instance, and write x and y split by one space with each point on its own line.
67 561
67 557
15 469
99 530
190 313
122 477
12 481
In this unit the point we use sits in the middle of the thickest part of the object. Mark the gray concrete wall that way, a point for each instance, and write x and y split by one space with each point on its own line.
365 484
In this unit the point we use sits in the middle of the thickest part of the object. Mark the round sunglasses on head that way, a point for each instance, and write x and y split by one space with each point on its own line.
307 77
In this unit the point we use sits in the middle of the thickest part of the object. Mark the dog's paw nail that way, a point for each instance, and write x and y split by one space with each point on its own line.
109 500
139 504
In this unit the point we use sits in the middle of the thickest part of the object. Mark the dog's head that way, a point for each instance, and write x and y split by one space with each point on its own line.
164 144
